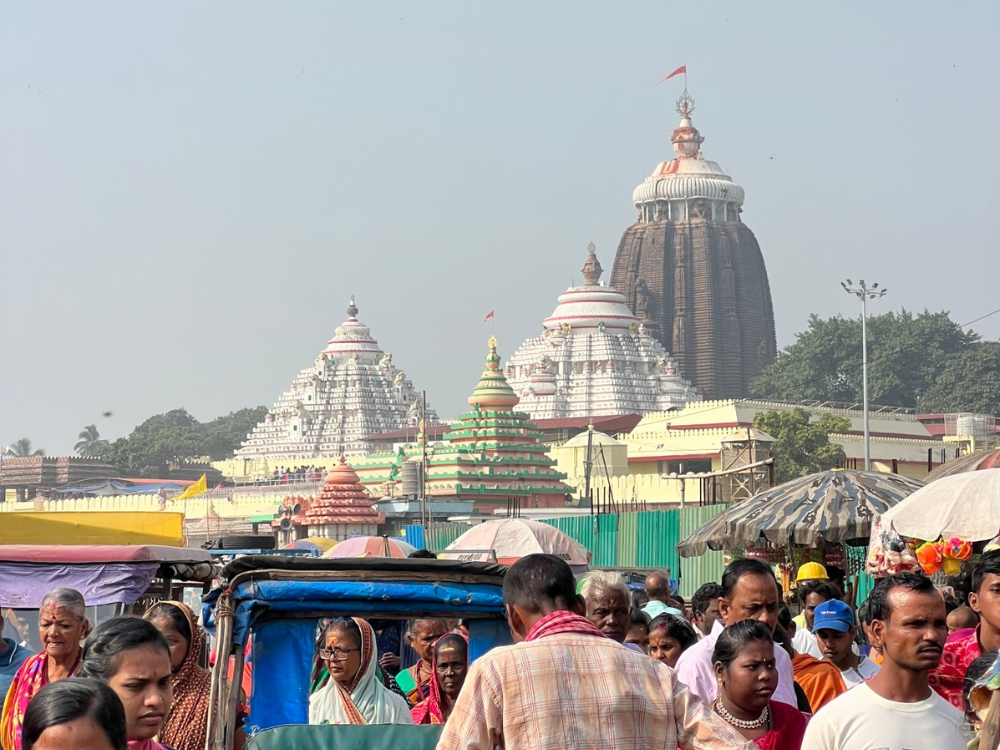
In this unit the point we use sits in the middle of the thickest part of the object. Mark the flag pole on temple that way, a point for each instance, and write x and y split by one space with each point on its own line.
492 318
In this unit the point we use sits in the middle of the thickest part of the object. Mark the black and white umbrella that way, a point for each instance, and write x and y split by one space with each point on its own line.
834 506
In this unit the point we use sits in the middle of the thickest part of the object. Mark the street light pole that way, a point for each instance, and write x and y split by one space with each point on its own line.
864 293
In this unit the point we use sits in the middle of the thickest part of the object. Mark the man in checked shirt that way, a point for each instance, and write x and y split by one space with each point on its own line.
565 685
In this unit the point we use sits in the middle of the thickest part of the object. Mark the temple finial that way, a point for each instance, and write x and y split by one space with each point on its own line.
592 268
352 309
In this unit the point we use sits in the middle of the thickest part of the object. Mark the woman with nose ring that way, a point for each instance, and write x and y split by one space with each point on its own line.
451 664
132 657
62 624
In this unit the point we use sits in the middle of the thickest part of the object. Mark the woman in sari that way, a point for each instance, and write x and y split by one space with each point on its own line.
354 694
131 657
745 667
62 624
187 723
415 683
451 663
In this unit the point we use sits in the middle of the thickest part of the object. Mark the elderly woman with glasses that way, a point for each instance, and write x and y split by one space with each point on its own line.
354 694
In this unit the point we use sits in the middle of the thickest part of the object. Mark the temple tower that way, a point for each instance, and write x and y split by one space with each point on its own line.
693 272
595 358
352 391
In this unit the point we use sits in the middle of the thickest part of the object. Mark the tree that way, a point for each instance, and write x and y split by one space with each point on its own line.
802 446
90 444
23 449
970 381
905 355
176 437
223 435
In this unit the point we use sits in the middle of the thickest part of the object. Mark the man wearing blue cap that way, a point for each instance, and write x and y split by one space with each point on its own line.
834 627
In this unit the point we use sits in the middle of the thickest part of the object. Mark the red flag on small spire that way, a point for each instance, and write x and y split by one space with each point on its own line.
682 69
489 317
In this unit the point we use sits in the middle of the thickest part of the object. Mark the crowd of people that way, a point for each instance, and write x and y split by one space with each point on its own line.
129 682
593 665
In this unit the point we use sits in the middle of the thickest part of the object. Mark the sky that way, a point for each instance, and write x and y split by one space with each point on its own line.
190 192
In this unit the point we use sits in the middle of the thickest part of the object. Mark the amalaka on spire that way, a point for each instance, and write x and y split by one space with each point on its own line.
592 268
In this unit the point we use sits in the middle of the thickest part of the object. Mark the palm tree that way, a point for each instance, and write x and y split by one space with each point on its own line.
90 445
22 449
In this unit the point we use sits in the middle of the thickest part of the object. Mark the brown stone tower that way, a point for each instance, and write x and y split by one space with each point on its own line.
694 273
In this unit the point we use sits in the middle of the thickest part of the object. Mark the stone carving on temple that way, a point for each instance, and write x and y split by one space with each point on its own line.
352 391
595 358
693 271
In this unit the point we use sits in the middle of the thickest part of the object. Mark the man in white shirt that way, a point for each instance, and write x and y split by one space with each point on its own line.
896 709
835 631
749 592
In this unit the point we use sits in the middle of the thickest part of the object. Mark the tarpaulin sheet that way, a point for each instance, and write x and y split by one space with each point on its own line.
23 585
361 599
283 654
93 527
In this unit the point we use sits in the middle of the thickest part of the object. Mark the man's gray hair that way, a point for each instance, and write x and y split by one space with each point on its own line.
598 582
68 599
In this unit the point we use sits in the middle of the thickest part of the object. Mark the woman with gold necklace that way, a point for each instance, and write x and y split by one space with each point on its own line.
744 665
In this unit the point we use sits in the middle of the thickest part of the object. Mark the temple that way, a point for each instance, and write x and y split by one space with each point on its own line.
492 455
693 272
351 392
343 509
595 358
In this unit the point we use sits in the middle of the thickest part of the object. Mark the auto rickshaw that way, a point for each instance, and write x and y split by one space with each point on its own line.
275 604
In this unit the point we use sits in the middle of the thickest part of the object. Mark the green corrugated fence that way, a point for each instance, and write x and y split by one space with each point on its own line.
695 571
644 539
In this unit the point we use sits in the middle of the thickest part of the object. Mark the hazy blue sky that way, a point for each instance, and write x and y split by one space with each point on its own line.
190 192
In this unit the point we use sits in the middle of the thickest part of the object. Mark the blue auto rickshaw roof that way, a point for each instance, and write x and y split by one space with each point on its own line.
268 586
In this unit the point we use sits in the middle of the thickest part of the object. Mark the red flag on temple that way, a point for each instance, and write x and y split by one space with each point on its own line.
682 69
490 316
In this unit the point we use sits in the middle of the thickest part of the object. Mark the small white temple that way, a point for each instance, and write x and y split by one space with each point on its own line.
351 392
595 358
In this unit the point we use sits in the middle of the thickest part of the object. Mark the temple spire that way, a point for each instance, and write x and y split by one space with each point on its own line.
592 268
686 138
493 390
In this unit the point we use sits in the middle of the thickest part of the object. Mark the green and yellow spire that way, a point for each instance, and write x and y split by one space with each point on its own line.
493 390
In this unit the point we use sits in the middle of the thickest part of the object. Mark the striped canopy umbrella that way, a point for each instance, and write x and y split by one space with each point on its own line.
314 543
371 546
970 462
834 505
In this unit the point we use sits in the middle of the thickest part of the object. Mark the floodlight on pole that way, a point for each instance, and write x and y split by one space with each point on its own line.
864 293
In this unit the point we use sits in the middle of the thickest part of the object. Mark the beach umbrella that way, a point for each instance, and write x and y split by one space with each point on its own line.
510 539
371 546
834 506
963 505
315 543
969 462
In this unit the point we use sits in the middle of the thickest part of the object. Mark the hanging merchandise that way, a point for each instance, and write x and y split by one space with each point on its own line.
888 553
929 557
954 552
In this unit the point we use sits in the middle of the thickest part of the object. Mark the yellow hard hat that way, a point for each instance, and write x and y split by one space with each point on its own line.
812 571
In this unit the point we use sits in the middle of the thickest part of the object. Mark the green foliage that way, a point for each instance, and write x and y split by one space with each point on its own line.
23 449
905 355
90 444
175 437
969 382
802 446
